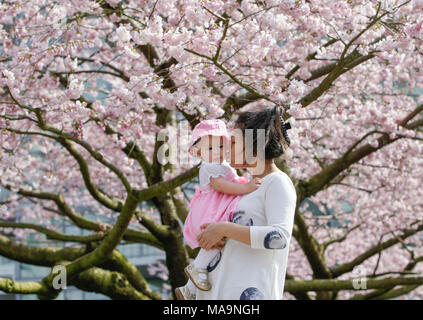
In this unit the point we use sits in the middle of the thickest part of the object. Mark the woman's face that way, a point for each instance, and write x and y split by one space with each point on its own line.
239 156
237 149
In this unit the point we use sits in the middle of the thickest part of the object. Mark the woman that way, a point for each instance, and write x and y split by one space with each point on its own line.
252 264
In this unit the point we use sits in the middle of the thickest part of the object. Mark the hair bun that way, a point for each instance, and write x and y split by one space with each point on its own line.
285 127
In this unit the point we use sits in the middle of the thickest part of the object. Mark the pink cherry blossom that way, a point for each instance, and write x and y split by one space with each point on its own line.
99 81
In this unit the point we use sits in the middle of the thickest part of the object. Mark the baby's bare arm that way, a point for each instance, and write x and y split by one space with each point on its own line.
222 185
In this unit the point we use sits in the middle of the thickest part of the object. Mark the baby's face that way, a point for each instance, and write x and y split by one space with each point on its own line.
212 148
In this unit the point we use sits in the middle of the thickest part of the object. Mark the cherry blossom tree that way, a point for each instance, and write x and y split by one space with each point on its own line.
87 89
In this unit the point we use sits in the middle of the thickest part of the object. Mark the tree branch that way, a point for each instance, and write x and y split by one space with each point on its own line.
82 222
324 177
51 234
349 266
102 252
336 285
166 186
326 244
10 286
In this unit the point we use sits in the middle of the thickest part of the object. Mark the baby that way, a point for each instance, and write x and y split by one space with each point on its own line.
215 200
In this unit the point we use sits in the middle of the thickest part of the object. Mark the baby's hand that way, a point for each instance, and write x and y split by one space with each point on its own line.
253 184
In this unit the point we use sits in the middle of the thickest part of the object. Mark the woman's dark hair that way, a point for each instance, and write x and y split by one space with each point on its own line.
270 120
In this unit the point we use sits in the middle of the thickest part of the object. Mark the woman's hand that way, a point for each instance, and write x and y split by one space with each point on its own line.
212 235
252 185
219 245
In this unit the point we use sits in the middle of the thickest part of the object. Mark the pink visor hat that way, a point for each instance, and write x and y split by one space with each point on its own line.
214 127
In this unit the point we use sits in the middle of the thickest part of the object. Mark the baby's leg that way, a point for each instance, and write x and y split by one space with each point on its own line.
201 262
204 257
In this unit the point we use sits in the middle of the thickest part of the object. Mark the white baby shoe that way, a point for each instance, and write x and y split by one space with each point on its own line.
198 276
